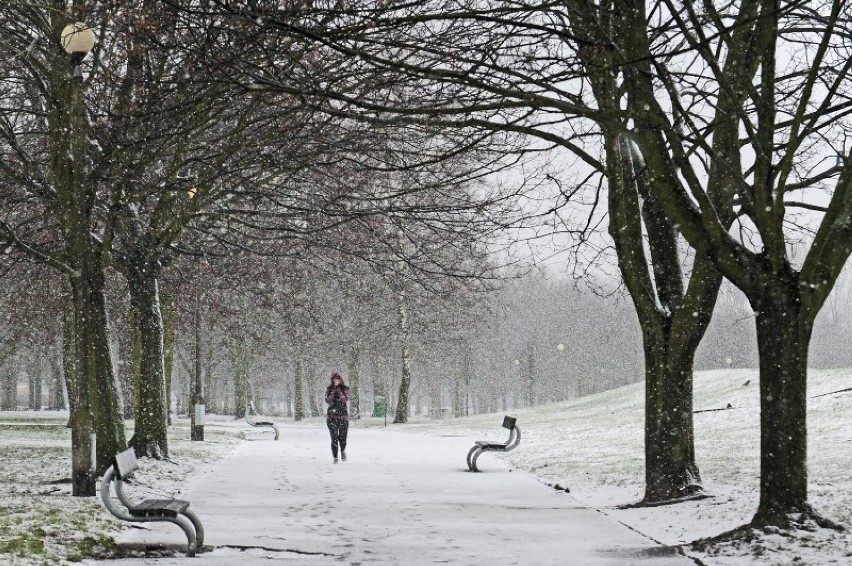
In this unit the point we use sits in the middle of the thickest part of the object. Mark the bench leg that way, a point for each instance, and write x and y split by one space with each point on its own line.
472 456
275 428
189 529
199 528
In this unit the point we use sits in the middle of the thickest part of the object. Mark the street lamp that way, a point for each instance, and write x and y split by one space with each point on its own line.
196 430
77 40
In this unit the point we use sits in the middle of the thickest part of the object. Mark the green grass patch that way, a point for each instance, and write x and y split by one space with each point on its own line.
41 523
26 545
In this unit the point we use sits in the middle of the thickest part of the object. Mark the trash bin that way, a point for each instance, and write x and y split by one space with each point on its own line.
380 406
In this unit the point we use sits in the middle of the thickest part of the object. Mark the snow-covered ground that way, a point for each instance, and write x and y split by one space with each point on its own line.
592 446
400 498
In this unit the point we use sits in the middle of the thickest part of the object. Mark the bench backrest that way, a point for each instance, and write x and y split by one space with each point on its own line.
509 422
126 463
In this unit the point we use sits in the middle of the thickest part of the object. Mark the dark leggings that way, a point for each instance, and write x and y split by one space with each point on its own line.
338 430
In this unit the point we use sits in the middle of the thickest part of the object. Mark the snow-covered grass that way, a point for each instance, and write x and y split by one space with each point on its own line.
592 446
40 522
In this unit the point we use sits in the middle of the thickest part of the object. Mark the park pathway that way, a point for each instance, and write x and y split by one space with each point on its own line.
400 499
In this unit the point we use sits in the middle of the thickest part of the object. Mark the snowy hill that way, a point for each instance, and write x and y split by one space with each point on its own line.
593 446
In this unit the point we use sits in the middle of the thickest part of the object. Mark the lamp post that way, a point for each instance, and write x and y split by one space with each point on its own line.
197 417
77 40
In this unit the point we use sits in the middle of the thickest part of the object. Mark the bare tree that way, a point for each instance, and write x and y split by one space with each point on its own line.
700 127
779 102
484 71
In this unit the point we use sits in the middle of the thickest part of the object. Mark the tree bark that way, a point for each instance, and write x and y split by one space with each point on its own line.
783 338
401 414
95 394
169 337
35 375
673 321
150 405
355 378
9 390
131 370
241 385
97 404
298 392
314 397
56 398
69 356
109 418
671 472
532 371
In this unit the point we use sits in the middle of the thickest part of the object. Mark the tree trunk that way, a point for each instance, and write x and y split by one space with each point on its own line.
106 399
169 359
468 376
532 372
298 392
94 396
288 401
97 404
9 390
401 414
313 397
673 321
213 389
35 376
355 378
436 401
150 406
670 469
130 375
241 384
783 337
30 389
56 397
69 356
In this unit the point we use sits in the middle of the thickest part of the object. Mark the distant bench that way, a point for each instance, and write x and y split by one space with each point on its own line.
481 446
172 510
252 422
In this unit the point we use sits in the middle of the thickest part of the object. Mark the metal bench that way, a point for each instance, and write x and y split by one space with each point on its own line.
249 411
481 446
172 510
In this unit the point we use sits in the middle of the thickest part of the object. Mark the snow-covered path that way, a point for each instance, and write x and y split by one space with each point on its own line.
401 498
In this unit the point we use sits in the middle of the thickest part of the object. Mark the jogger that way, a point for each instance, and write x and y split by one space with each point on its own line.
338 430
337 395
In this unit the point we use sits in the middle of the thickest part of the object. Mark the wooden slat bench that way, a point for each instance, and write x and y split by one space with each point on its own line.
481 446
172 510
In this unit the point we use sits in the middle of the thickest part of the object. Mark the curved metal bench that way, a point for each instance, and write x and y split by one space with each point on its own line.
481 446
172 510
249 411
